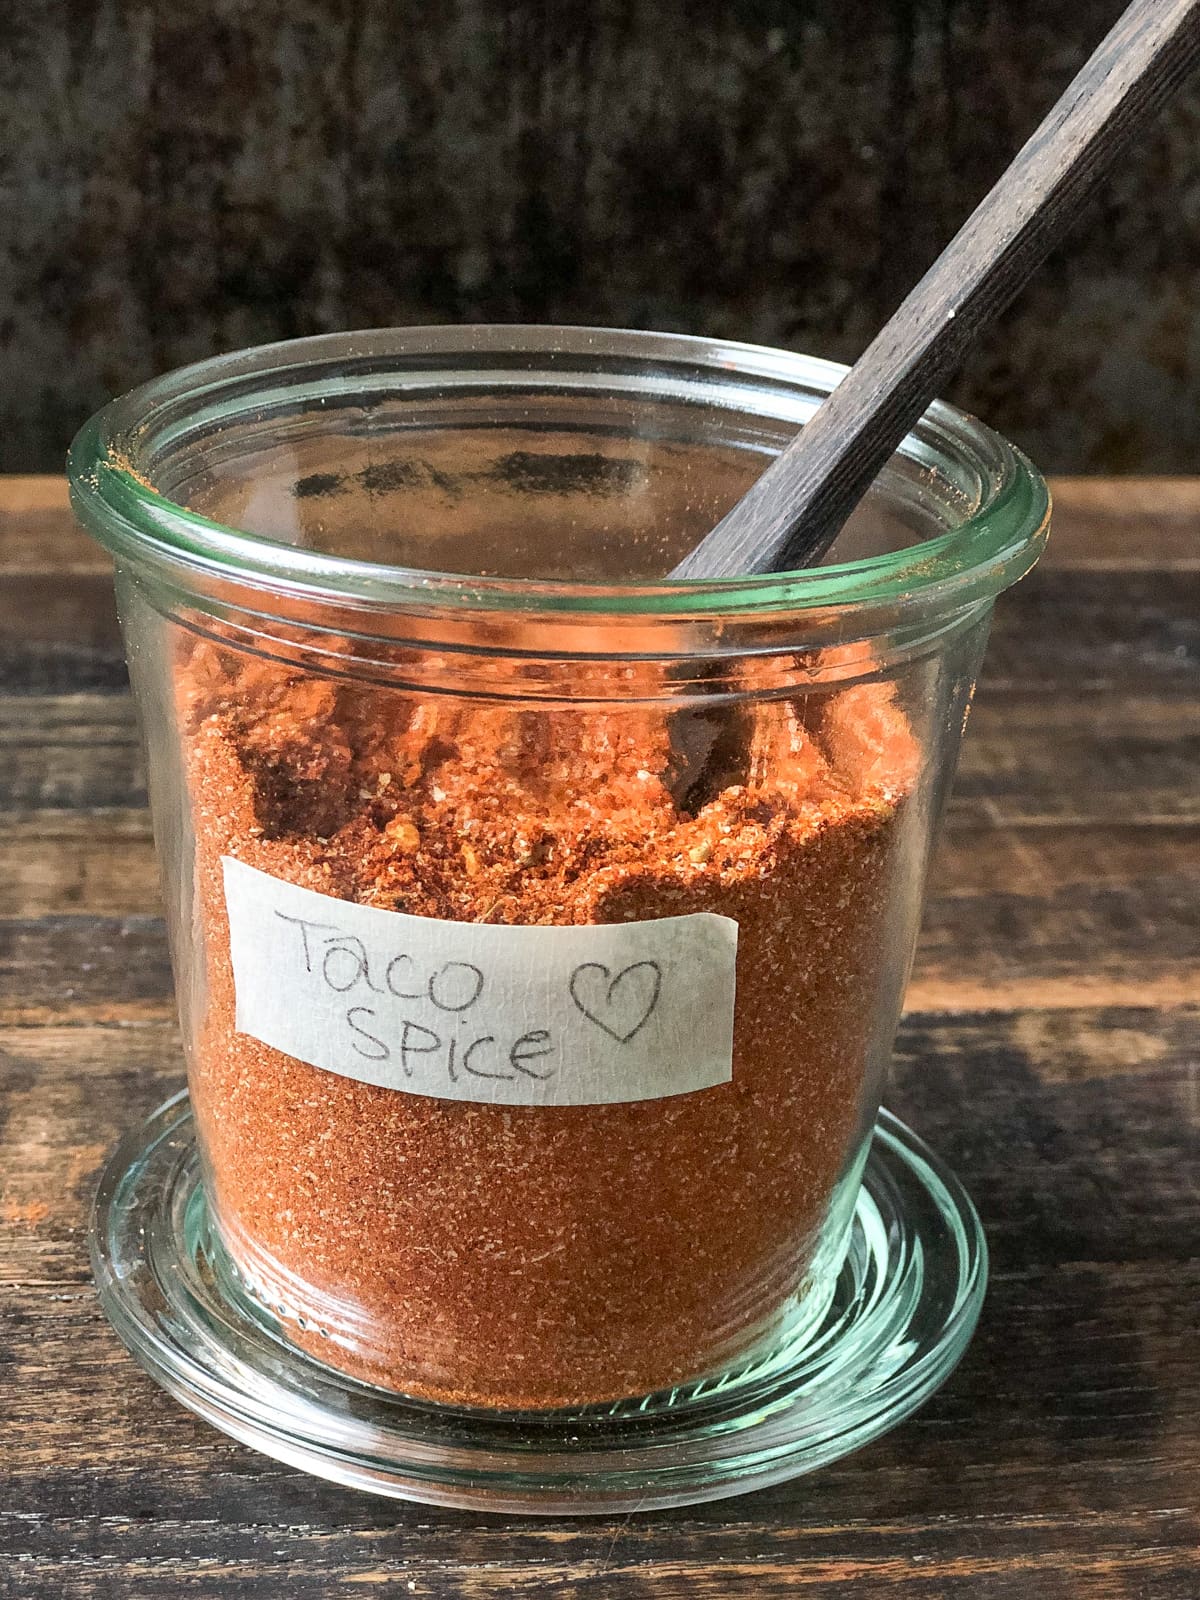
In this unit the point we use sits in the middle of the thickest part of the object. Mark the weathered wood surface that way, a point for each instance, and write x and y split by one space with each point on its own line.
1051 1051
794 511
179 180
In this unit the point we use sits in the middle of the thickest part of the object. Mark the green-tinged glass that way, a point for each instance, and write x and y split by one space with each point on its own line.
462 530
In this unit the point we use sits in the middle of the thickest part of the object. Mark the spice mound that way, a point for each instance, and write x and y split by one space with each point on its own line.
550 1255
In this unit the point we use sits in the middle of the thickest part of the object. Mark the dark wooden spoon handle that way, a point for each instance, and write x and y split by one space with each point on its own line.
792 514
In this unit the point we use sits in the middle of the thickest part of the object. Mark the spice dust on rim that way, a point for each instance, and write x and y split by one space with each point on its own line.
903 1311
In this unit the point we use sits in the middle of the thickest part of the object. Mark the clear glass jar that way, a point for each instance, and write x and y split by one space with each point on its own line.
399 640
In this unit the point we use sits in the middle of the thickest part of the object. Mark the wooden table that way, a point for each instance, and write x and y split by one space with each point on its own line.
1050 1052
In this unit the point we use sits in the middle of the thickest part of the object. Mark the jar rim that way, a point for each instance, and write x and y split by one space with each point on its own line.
989 549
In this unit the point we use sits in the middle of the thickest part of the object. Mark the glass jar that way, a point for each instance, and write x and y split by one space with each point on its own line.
540 926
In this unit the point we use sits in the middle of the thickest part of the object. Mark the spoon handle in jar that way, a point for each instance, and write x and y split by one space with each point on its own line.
793 513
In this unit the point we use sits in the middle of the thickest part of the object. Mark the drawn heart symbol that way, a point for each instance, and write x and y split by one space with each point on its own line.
621 1006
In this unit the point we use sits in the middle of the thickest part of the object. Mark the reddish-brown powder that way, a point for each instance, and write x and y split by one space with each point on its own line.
522 1256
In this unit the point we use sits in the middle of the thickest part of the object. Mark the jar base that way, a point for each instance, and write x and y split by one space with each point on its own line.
902 1312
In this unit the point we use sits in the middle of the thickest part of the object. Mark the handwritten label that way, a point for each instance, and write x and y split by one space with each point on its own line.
462 1011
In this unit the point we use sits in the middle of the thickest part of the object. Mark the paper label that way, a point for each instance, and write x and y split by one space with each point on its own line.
533 1016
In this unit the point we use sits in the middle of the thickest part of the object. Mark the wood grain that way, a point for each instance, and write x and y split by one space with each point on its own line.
1029 759
1125 524
1085 1356
1100 524
795 510
975 952
1050 1052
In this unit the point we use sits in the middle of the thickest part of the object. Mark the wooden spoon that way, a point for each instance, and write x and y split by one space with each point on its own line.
793 513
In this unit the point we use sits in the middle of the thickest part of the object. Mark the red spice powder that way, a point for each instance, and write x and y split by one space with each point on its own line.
534 1256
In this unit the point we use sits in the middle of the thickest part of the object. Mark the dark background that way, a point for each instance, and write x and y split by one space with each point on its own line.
180 179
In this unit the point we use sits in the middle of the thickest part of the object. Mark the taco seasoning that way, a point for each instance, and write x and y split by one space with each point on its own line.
549 1255
539 929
